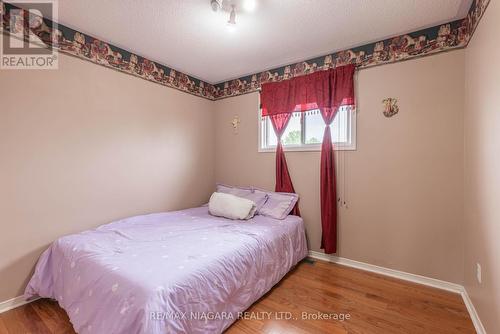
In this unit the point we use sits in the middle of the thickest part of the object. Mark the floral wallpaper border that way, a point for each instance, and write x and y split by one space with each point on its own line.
77 44
446 37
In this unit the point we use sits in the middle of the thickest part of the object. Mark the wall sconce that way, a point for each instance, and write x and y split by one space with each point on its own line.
391 107
236 124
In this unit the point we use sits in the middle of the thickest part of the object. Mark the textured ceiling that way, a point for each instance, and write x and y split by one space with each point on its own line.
188 36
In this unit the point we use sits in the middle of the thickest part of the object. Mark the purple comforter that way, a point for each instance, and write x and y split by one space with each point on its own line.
176 272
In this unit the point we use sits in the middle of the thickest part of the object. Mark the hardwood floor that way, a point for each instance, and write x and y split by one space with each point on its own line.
374 303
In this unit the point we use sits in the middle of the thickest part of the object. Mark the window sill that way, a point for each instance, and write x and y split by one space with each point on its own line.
312 148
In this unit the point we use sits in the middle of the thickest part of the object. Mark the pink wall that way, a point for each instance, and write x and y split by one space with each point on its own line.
482 168
85 145
403 184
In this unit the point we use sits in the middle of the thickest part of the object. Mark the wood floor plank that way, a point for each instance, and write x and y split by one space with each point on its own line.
54 317
3 328
376 304
24 320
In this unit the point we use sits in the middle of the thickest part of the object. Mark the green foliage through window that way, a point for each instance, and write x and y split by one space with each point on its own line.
307 130
293 138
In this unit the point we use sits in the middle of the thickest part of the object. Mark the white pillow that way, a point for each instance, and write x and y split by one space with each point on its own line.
230 206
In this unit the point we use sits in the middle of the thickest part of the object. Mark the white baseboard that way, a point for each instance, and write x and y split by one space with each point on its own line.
432 282
457 288
478 325
14 302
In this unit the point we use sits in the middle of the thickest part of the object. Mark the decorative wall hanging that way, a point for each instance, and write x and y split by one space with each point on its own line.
446 37
391 107
236 124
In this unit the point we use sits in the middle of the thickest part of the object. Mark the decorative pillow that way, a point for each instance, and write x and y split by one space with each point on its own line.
258 197
230 206
278 205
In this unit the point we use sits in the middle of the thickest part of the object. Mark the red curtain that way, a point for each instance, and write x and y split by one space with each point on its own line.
283 179
325 90
328 186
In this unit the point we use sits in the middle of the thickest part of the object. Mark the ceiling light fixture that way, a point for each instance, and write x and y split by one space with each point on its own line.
249 5
232 15
216 4
229 6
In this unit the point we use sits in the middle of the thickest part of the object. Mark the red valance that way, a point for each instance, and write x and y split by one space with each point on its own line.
330 89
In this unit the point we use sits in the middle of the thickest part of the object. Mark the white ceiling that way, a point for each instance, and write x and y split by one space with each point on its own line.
186 35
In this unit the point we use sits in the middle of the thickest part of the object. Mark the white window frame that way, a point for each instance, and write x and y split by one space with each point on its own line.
263 148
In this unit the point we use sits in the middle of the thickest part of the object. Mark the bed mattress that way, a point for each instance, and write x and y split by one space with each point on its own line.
174 272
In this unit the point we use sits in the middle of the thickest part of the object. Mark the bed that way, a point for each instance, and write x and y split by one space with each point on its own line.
174 272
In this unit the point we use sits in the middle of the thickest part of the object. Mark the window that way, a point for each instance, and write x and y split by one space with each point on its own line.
304 132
